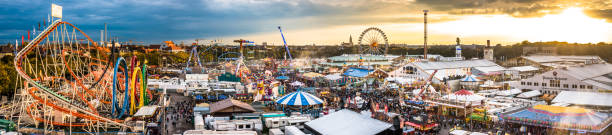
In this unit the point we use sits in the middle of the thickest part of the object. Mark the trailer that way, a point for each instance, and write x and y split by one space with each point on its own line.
198 122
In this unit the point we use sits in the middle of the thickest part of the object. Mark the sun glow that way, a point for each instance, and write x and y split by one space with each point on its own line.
571 25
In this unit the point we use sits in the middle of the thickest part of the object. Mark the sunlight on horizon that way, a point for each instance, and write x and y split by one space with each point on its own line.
571 25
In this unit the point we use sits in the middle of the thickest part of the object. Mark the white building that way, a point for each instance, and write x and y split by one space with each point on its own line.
593 77
423 69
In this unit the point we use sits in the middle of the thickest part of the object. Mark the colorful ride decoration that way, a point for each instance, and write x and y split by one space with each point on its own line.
479 114
567 118
229 77
68 76
299 98
137 95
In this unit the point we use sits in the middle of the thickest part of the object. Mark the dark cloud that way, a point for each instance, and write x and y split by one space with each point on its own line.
515 8
519 11
155 21
602 14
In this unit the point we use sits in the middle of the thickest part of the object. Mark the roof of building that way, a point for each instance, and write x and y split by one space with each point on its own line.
547 58
599 75
584 98
570 118
490 69
210 132
529 94
524 68
355 57
426 65
588 71
146 111
347 122
230 103
357 72
338 64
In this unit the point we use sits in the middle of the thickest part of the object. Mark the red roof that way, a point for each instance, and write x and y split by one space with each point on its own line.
463 92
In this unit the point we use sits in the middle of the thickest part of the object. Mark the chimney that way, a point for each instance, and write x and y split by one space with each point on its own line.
488 43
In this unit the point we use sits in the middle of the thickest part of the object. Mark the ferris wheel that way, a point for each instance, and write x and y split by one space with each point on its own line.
373 41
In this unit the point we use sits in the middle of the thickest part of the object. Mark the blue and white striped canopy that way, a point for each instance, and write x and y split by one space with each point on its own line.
470 78
299 98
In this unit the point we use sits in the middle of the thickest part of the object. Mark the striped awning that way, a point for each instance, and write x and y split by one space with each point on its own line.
470 78
299 98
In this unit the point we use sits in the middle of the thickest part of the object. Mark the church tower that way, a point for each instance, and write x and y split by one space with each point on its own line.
488 52
458 48
350 39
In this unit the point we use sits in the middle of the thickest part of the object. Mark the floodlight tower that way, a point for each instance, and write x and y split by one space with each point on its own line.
425 34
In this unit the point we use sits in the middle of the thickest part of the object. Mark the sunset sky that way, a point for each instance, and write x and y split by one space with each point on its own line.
322 21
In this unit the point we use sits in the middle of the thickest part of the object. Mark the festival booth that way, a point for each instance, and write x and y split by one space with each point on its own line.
332 79
303 101
489 85
421 122
310 78
470 82
466 97
458 103
572 119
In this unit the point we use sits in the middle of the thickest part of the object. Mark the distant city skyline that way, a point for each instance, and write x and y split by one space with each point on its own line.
323 22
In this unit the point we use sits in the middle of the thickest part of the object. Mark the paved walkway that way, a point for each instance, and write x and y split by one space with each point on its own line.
181 123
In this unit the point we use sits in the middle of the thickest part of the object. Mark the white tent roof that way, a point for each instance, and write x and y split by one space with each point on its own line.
401 80
458 132
529 94
478 133
347 122
465 98
146 110
296 83
335 76
584 98
524 68
430 89
490 69
508 92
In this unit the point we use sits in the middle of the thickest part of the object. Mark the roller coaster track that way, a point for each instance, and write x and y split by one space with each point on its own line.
70 105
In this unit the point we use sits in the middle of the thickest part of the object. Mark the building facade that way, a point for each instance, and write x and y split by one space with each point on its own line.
591 78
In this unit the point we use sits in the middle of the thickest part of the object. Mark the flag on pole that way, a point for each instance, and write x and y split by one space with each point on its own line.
16 45
28 35
22 41
56 11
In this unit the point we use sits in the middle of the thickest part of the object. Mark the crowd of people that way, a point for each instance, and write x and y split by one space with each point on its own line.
179 112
